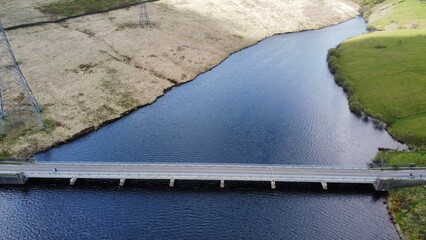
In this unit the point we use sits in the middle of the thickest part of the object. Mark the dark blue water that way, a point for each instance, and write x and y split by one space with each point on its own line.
275 102
191 211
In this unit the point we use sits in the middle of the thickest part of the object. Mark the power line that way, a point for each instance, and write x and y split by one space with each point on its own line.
144 18
17 102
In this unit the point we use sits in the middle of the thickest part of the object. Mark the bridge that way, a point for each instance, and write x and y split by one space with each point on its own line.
20 173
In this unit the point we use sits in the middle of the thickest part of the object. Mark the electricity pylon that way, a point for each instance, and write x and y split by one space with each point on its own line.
17 103
144 18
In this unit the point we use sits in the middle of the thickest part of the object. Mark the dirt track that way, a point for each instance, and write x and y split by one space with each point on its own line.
92 69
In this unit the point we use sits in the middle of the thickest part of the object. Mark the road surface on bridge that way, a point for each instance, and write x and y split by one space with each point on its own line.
221 172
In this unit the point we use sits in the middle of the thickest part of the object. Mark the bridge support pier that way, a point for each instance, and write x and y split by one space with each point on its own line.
72 181
122 182
379 185
273 186
172 182
324 185
222 183
17 178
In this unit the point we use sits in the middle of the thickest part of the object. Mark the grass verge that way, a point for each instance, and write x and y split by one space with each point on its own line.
400 159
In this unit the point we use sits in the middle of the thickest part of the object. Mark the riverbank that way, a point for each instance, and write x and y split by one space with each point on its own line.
389 84
407 207
383 74
91 70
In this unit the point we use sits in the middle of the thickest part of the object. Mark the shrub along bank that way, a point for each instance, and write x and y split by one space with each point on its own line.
384 74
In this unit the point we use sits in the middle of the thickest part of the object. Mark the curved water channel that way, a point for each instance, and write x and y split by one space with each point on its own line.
273 103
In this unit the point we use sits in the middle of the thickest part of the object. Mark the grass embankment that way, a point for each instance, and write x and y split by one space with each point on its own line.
384 74
399 14
76 7
408 209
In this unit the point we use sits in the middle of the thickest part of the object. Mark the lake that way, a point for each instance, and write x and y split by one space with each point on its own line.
273 103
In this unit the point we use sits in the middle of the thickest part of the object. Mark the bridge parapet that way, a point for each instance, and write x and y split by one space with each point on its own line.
212 172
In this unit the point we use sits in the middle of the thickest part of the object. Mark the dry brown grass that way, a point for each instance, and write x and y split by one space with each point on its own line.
92 69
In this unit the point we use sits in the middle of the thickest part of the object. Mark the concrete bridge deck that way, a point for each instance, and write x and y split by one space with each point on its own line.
215 172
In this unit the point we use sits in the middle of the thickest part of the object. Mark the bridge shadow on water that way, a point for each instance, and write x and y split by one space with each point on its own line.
203 187
241 210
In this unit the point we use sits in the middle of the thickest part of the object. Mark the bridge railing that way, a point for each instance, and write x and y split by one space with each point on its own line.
198 176
201 164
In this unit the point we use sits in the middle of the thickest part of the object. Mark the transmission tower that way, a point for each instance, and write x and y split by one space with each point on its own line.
17 103
144 18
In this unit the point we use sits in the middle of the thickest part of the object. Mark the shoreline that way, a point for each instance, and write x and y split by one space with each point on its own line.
91 129
388 206
400 204
110 96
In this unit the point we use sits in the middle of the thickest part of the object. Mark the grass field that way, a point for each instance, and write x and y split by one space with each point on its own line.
400 159
408 207
399 14
75 7
384 74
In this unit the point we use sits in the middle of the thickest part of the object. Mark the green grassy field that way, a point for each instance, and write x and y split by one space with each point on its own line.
408 207
384 74
400 14
400 159
75 7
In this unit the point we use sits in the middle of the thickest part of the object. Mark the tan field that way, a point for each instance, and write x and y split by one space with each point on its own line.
90 70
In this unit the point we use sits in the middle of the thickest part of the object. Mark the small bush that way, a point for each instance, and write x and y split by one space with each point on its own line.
379 124
333 52
333 65
340 79
332 59
380 46
50 124
371 28
345 85
379 158
4 154
355 106
395 167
